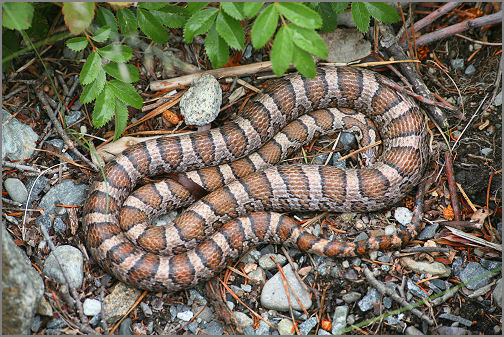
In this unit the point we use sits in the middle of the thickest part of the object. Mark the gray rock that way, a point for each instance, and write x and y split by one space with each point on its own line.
196 296
322 332
390 230
95 320
339 319
347 139
125 327
458 319
56 142
346 44
473 276
416 290
146 309
351 297
453 330
307 326
258 275
335 160
243 320
273 295
22 288
185 315
372 296
56 323
486 151
65 193
214 328
412 331
497 293
36 323
267 264
470 70
74 116
35 186
249 331
403 215
15 135
263 328
200 105
428 232
16 189
387 302
457 63
71 260
361 236
498 99
59 225
91 307
119 301
320 159
285 327
43 220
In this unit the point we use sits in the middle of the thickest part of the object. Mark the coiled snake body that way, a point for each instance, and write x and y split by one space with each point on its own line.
143 256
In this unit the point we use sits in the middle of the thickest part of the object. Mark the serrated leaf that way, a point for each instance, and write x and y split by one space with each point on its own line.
264 26
360 16
172 16
90 69
151 26
126 93
124 72
339 7
102 34
233 9
78 15
104 107
199 23
121 118
329 17
152 5
193 7
382 11
303 62
230 30
300 14
127 21
116 52
105 17
282 50
250 9
309 40
77 43
216 48
17 15
92 90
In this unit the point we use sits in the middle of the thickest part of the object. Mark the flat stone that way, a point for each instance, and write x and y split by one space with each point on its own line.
307 326
339 319
497 293
119 301
472 276
372 296
65 193
351 297
267 263
346 44
72 262
243 319
16 189
15 135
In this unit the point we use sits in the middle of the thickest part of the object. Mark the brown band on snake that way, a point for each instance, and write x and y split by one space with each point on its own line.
289 187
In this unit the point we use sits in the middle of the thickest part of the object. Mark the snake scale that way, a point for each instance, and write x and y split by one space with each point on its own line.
235 161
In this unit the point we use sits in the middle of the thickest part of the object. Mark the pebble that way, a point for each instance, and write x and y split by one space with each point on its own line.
74 116
15 135
56 323
490 265
350 319
335 160
428 232
403 215
91 307
267 263
43 220
36 323
361 236
307 326
273 294
145 309
59 225
285 327
185 315
16 189
71 260
125 327
472 276
416 290
214 328
387 302
351 297
263 328
497 293
470 70
320 159
258 275
119 301
458 319
200 104
345 44
339 319
95 320
65 193
390 230
498 99
433 268
243 320
372 296
322 332
412 331
486 151
457 63
206 315
37 185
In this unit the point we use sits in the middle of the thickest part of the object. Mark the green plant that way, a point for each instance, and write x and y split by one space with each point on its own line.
295 40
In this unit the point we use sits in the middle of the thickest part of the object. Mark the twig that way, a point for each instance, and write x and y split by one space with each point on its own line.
384 290
451 186
425 250
11 202
469 123
13 92
364 148
466 198
479 42
20 167
475 239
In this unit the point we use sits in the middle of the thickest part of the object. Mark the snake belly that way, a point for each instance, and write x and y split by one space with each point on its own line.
216 228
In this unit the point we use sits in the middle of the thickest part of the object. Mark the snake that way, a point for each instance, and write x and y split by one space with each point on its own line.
248 193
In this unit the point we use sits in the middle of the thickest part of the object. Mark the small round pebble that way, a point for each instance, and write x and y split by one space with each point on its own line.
403 215
16 189
91 307
267 263
185 315
125 327
71 260
285 327
59 225
243 320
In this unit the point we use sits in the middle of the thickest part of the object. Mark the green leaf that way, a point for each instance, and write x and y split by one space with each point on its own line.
193 7
264 26
121 118
329 17
300 14
172 16
116 52
282 50
39 24
10 44
104 107
102 34
124 72
151 26
250 9
78 15
303 62
216 48
230 30
17 15
152 5
339 7
126 93
382 11
127 21
77 43
92 90
360 16
199 23
106 18
90 69
309 40
233 9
